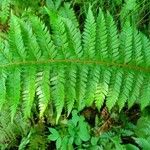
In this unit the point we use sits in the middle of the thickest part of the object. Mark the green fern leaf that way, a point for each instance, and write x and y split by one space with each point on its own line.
74 39
102 88
2 89
70 90
135 92
29 88
101 37
43 38
59 36
68 68
43 89
145 50
81 86
126 44
112 39
144 99
125 90
93 80
114 88
89 36
13 92
30 42
58 93
67 12
16 41
136 48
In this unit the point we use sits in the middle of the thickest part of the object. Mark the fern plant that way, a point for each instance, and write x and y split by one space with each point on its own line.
10 133
21 134
66 68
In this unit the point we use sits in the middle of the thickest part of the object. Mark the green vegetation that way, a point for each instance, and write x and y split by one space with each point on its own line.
74 74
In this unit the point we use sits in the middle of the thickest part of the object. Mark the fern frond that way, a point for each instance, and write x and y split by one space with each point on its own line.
17 47
43 38
114 88
81 86
67 12
145 42
145 94
58 89
93 80
74 39
144 143
3 76
101 37
112 39
89 36
2 88
102 88
59 36
11 131
138 81
126 44
30 42
70 88
14 91
126 88
43 89
68 68
29 88
136 48
5 10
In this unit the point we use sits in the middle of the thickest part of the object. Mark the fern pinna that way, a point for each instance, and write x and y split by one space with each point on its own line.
66 68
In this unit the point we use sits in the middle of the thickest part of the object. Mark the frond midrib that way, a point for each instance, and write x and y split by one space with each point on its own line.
77 61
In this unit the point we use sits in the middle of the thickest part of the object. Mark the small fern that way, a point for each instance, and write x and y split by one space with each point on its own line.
11 133
68 68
